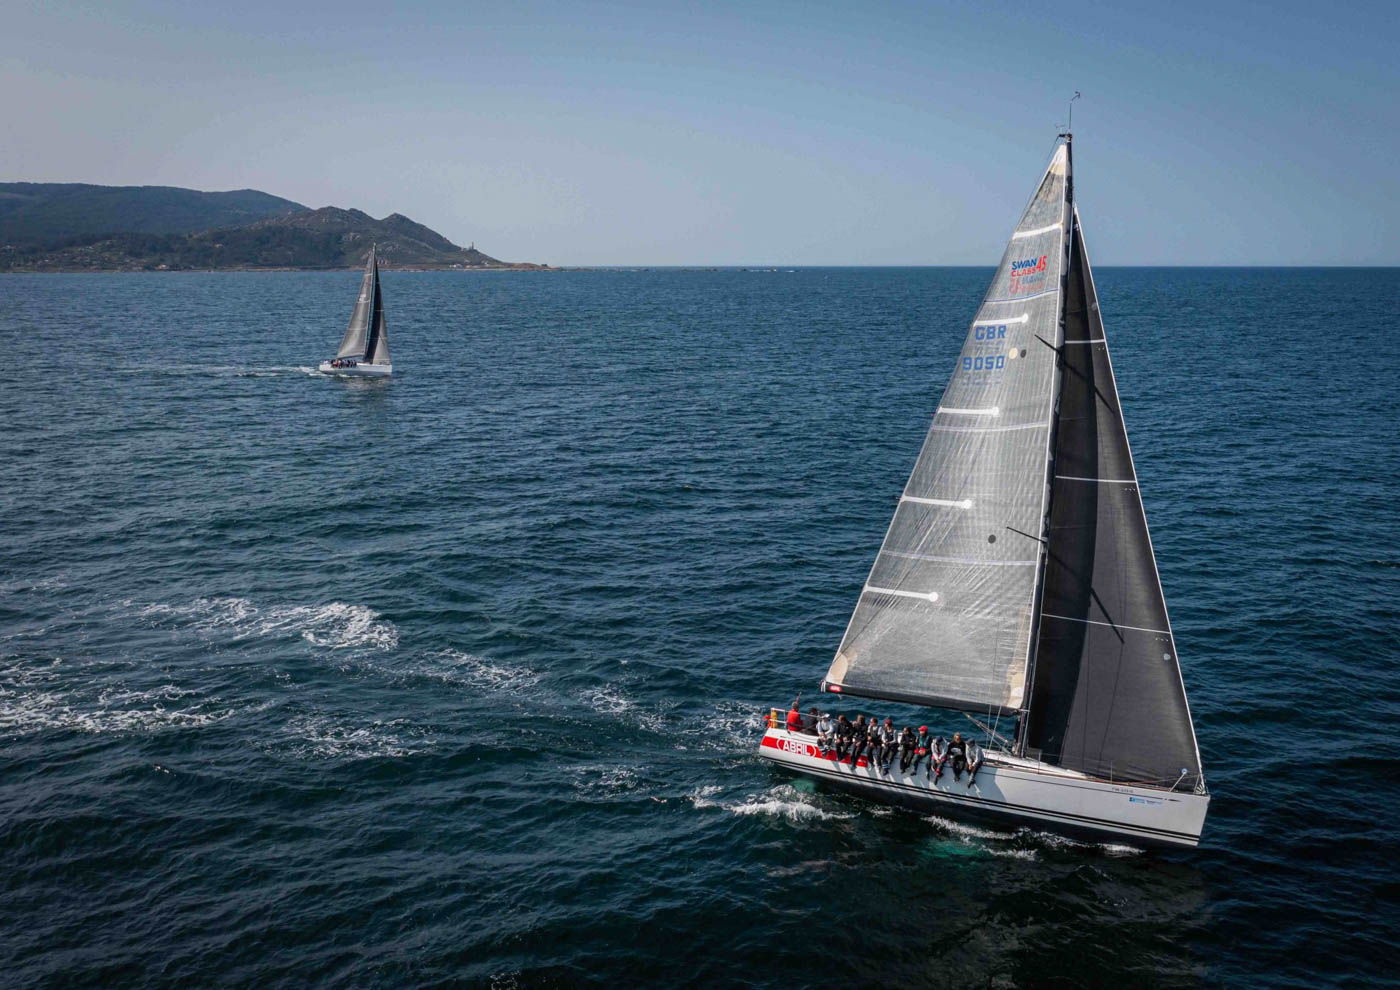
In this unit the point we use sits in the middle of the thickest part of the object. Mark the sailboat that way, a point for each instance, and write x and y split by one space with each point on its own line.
364 351
1017 583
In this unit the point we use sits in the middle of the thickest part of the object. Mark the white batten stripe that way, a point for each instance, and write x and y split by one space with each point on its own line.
992 411
965 503
1012 299
1111 625
930 596
1101 481
1032 233
959 560
987 429
1023 318
1096 340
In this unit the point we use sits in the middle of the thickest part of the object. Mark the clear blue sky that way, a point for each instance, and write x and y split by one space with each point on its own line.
762 132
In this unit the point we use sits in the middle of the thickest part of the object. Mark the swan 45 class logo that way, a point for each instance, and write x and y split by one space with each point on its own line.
1028 274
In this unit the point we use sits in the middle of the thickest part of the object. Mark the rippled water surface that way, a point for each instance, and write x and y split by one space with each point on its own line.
453 678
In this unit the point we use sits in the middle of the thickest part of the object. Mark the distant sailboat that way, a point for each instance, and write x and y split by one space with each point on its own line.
364 351
1017 580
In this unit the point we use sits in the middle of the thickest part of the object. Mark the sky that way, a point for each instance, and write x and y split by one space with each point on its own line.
715 133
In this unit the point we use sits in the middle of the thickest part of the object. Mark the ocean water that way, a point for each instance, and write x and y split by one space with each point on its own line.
454 679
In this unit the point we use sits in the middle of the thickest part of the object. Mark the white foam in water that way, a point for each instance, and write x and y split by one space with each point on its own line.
783 801
1008 853
1053 841
323 737
610 700
336 626
701 797
982 838
30 703
968 831
730 725
457 667
609 777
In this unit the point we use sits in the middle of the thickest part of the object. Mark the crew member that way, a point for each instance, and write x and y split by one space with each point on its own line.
794 718
937 756
908 747
889 742
825 732
859 740
974 760
843 736
957 753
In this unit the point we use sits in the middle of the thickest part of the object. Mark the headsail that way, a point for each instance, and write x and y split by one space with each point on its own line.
377 348
356 335
1108 697
946 616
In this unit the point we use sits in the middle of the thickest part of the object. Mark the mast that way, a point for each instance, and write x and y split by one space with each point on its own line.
1032 647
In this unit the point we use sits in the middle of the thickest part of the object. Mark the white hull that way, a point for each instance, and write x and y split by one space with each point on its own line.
358 371
1012 791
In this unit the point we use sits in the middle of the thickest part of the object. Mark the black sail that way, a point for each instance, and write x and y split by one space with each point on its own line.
1107 696
377 345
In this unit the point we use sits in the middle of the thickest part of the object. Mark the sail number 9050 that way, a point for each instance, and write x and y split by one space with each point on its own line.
989 362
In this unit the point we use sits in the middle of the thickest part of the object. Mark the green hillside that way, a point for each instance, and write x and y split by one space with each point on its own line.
326 238
34 214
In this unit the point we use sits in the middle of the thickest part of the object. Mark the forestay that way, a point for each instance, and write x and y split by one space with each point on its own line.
1108 697
946 615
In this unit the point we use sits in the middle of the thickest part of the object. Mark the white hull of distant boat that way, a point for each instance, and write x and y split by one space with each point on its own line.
1011 791
357 371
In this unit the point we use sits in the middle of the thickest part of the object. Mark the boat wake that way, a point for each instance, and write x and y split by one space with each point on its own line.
470 670
221 370
603 781
992 841
987 841
784 801
323 737
612 701
51 697
336 625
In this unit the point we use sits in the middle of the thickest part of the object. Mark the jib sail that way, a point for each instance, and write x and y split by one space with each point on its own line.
1108 698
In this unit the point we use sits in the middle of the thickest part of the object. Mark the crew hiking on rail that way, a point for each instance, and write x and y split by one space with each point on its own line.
879 743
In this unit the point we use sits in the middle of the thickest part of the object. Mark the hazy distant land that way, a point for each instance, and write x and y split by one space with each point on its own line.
75 227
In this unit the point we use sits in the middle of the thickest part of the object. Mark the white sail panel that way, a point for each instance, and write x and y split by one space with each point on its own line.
945 617
357 333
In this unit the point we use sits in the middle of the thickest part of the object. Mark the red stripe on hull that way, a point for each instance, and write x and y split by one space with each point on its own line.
809 749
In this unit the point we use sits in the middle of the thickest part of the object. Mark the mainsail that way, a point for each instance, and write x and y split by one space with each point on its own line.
1108 697
947 615
377 348
357 333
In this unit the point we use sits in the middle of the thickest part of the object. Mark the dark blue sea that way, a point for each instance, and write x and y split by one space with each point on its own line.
455 679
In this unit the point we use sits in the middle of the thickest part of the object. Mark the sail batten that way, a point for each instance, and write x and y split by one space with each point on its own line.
965 644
